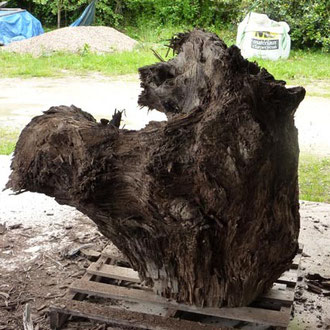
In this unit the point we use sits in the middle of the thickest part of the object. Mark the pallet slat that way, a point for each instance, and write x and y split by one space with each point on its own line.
58 319
289 278
248 314
279 293
124 318
116 272
273 308
127 274
296 260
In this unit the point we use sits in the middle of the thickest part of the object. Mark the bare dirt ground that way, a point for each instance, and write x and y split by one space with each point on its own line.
37 234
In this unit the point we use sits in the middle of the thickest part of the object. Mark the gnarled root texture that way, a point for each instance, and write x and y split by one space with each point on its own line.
205 205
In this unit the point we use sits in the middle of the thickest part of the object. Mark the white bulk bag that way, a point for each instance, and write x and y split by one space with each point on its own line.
259 36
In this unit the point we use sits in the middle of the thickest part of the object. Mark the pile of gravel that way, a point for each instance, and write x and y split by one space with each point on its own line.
99 39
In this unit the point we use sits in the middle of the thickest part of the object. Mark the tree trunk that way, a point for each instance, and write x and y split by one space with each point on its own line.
59 8
205 205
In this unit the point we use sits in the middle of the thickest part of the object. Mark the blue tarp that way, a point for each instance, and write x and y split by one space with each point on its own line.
18 25
87 17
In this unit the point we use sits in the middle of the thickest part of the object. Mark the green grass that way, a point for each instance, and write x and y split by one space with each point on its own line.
61 64
302 67
314 178
8 139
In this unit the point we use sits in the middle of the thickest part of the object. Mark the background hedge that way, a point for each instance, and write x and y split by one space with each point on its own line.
308 19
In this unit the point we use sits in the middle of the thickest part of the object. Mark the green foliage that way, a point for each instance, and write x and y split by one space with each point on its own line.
119 13
8 139
85 50
202 13
308 20
43 12
109 12
314 178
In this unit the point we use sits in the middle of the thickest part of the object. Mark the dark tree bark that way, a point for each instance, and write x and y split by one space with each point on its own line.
205 205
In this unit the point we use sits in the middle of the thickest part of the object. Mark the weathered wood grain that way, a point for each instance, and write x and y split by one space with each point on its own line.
204 206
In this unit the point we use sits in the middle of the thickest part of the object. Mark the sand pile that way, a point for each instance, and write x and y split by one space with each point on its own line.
99 39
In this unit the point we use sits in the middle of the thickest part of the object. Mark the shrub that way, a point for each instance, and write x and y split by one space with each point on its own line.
308 19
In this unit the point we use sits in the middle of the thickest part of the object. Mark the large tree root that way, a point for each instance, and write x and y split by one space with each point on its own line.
205 206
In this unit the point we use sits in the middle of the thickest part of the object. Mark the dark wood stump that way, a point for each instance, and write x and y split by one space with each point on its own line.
205 205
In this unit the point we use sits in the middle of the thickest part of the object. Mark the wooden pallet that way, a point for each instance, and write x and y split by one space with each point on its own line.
111 277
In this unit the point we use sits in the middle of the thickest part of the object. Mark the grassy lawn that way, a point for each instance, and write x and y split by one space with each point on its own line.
8 140
61 64
314 178
303 67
